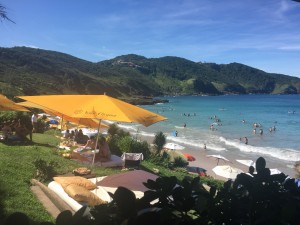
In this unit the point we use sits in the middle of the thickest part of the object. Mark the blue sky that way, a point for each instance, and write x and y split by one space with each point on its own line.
264 34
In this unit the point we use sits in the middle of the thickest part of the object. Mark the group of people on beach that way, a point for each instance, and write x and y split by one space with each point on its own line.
217 122
76 135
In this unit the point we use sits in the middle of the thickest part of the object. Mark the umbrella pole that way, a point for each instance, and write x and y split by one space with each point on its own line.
62 123
96 142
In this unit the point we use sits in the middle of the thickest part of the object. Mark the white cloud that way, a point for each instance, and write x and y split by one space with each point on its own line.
290 47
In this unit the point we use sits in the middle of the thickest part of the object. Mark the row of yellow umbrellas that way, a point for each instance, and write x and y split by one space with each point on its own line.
100 107
84 109
95 106
87 122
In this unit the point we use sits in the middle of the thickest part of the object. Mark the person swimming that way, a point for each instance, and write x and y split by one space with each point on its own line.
246 140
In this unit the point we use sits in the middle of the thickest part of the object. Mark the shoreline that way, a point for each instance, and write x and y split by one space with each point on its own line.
208 163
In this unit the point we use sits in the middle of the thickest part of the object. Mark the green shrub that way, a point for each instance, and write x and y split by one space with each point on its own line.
41 125
130 145
125 144
8 116
180 162
112 129
113 145
161 160
45 171
159 141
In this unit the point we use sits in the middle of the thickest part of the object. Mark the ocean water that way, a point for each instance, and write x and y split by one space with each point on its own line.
232 117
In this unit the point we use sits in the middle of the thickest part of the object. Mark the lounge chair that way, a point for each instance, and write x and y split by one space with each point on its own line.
133 180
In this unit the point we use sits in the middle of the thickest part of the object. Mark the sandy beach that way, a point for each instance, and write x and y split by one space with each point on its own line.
209 163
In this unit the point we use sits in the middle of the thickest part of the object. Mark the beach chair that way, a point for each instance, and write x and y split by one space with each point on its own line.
132 160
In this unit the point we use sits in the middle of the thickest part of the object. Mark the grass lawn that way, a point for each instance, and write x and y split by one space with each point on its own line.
17 169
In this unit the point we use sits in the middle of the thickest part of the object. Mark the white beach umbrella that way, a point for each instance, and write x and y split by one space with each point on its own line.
227 171
275 171
173 146
246 162
218 157
252 163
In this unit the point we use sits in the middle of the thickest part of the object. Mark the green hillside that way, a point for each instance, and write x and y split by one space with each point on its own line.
28 71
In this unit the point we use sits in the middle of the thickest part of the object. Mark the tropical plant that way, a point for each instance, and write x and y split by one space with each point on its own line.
159 141
259 199
163 160
130 145
180 162
3 14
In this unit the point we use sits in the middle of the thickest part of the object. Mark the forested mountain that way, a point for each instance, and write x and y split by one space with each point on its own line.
28 71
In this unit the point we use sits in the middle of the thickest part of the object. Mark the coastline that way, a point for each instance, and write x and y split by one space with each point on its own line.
209 163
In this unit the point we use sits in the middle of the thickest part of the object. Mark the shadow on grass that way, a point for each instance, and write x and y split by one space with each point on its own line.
27 143
2 197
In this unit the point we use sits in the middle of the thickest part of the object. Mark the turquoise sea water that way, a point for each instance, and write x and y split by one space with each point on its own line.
237 114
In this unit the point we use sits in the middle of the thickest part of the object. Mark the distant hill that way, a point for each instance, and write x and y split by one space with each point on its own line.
28 71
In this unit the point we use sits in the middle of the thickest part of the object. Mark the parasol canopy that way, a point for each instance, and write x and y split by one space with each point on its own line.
96 106
189 157
247 162
227 171
218 157
8 105
100 107
85 122
252 163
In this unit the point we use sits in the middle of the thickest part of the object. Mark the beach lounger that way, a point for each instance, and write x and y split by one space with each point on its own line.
133 180
132 160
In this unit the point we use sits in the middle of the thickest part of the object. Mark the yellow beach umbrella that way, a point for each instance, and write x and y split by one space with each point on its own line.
8 105
85 122
100 107
96 106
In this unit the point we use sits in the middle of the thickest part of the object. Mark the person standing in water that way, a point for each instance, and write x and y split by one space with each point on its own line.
246 140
